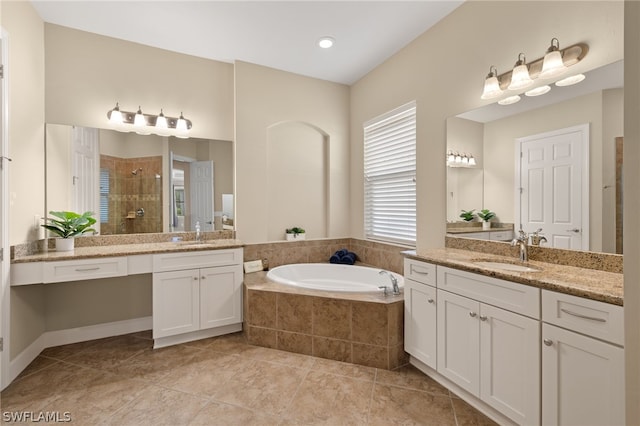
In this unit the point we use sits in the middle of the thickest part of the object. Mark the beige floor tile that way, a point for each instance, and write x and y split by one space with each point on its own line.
280 357
354 371
154 364
393 405
65 351
36 365
410 377
159 406
325 398
468 416
265 387
220 414
109 353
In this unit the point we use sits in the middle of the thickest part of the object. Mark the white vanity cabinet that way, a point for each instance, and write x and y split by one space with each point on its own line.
200 296
582 361
420 311
488 341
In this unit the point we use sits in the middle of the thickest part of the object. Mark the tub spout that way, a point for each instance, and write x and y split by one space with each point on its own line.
394 282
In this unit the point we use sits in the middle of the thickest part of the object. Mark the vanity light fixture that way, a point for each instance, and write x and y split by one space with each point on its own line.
455 159
520 78
555 62
552 65
145 124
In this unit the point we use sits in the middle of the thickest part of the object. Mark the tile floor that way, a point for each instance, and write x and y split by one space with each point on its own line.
223 381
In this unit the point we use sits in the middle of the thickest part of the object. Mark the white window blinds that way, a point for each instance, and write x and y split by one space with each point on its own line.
389 176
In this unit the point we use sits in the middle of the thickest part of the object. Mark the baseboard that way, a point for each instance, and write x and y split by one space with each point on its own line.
162 342
470 399
73 335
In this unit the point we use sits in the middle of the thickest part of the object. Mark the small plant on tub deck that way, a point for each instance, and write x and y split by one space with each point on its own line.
467 215
70 224
486 215
295 233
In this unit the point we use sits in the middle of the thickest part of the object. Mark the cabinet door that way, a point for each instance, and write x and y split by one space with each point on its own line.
582 379
175 303
459 340
420 322
510 364
220 296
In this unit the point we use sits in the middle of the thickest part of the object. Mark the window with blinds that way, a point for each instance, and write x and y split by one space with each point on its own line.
104 195
389 176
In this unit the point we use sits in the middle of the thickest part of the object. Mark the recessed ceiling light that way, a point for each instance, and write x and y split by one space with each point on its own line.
510 100
326 42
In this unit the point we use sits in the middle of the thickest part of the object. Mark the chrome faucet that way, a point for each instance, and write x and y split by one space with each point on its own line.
537 239
198 236
522 242
394 283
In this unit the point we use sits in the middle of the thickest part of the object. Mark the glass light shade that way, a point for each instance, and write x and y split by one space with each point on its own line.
472 161
181 125
465 159
510 100
574 79
115 116
450 157
552 65
538 91
491 88
520 78
458 158
139 120
161 121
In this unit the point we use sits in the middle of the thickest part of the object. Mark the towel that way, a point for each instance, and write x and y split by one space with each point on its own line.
343 257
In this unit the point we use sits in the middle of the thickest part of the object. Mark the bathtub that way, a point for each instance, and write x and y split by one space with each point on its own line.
333 277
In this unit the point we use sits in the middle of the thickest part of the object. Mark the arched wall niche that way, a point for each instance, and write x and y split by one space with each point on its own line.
298 179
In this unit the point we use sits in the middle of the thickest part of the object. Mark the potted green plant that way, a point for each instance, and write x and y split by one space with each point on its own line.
68 225
295 233
467 215
486 215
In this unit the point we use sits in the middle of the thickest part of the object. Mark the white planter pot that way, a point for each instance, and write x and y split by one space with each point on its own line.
295 237
65 244
486 226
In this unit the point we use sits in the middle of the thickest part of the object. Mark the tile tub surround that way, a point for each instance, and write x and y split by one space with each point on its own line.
362 329
224 381
589 283
380 255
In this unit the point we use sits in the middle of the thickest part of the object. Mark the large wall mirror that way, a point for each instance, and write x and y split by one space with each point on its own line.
140 183
501 139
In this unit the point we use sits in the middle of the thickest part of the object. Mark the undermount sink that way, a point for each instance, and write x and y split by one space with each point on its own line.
505 266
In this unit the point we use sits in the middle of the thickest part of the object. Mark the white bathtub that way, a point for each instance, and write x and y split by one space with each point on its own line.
333 277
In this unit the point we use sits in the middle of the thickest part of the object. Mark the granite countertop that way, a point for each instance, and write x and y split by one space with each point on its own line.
129 250
470 229
589 283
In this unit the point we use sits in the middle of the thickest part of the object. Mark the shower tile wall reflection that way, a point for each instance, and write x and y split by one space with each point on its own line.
130 195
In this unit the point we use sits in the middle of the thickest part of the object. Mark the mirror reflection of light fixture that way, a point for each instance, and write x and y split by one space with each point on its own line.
574 79
520 77
491 85
510 100
455 159
147 123
538 91
552 65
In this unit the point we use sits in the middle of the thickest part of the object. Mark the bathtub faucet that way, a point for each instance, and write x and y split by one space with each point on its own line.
394 282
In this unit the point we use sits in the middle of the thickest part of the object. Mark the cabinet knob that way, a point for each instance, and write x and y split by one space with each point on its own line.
483 317
195 278
472 314
548 342
203 277
430 300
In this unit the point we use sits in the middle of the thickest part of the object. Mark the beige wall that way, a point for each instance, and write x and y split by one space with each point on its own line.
265 97
612 127
631 208
444 69
88 73
26 77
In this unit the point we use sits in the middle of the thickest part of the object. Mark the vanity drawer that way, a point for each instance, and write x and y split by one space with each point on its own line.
501 235
421 272
519 298
196 259
84 269
597 319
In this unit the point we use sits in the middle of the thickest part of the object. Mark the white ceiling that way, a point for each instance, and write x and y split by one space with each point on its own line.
276 34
